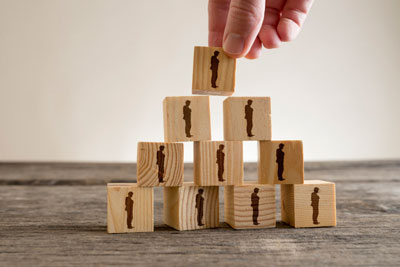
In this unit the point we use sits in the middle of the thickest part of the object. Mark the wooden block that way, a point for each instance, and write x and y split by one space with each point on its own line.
190 207
187 118
250 205
129 208
213 72
218 163
159 164
247 118
312 204
280 162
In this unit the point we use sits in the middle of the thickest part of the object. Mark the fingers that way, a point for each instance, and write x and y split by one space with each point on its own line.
217 15
255 50
293 16
243 24
268 33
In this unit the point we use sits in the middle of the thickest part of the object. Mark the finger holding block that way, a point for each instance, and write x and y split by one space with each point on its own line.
280 162
159 164
213 72
129 208
187 118
190 207
250 205
312 204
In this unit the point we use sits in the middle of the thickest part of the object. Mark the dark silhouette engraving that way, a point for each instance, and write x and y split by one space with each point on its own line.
315 205
214 69
160 163
187 116
248 110
220 162
199 207
129 209
280 157
255 199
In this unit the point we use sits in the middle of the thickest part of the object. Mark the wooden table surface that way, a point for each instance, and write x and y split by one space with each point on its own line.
54 214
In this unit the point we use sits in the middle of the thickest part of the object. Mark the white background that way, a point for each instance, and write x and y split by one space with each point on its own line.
84 80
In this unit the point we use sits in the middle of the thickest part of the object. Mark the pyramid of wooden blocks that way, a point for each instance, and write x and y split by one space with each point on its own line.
160 164
190 207
312 204
129 208
250 205
247 118
213 71
218 163
187 118
280 162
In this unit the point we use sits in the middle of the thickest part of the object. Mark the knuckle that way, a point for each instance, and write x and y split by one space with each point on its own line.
246 9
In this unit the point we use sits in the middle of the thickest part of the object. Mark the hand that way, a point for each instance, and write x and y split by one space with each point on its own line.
242 27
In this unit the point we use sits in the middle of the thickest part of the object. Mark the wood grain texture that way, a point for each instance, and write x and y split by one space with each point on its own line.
180 210
239 211
202 72
143 212
293 162
176 124
208 169
236 122
148 167
296 204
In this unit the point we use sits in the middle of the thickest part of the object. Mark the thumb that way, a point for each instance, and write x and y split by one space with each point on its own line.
244 21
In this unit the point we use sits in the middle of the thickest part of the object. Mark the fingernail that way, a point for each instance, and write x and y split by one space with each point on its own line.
233 44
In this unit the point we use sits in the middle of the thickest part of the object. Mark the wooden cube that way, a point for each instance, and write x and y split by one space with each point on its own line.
312 204
159 164
247 118
213 72
250 205
218 163
187 118
280 162
129 208
190 207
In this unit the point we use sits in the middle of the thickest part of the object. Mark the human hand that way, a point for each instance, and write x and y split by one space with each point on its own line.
242 27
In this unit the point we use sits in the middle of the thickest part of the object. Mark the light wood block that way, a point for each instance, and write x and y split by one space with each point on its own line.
247 118
187 118
312 204
129 208
218 163
190 207
213 72
159 164
250 205
280 162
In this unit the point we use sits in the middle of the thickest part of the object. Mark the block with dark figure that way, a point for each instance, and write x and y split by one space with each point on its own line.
315 204
187 117
220 162
129 209
214 69
280 157
160 163
255 199
199 207
248 110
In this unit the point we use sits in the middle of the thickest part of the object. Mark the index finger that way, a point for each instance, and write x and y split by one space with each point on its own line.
217 16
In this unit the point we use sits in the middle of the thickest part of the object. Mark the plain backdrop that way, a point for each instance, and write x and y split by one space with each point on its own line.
84 80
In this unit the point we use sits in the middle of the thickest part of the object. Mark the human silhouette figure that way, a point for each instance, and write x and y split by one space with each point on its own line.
187 116
280 157
315 205
199 206
248 110
214 69
255 199
129 209
220 162
160 163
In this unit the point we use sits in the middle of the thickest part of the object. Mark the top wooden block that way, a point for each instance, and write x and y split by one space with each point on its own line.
213 72
247 118
187 118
